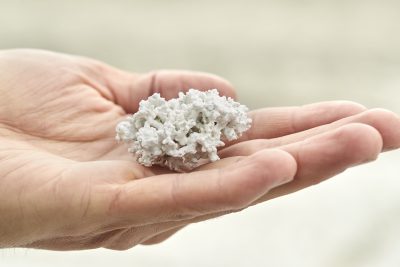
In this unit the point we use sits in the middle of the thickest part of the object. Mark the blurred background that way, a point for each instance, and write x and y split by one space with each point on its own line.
276 53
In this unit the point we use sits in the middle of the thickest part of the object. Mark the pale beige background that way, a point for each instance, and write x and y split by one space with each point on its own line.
277 52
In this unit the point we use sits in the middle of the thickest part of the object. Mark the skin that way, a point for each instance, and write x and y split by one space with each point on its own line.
65 184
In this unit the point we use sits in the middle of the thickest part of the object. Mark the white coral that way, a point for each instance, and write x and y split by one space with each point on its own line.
180 132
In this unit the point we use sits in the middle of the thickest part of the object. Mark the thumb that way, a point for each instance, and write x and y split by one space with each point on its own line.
129 89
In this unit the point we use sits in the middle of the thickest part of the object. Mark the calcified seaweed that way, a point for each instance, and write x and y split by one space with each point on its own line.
183 132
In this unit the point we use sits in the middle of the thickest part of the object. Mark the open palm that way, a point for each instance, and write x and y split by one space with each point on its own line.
66 184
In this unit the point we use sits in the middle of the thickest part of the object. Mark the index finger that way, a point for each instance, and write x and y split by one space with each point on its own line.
175 197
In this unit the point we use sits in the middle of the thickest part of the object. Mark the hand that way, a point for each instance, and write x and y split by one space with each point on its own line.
66 184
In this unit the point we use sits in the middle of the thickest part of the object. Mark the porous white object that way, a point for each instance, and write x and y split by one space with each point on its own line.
180 132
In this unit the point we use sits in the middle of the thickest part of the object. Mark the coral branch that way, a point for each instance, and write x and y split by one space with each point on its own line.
180 132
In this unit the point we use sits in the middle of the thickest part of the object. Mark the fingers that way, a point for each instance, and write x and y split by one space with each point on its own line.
324 155
275 122
386 122
321 157
129 89
180 196
317 159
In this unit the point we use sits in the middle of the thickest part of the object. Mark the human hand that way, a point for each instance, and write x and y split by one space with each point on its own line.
65 184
